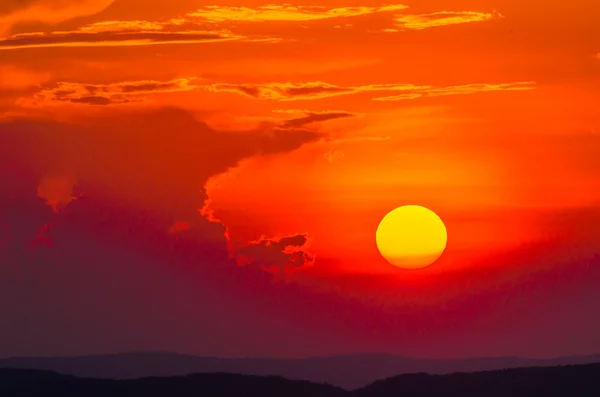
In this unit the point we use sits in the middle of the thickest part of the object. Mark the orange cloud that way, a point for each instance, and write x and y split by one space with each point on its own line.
57 191
47 11
442 18
286 12
290 13
123 26
115 33
108 94
191 28
318 90
461 90
303 91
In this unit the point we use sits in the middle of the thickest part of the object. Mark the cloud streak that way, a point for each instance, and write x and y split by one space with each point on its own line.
136 91
201 26
442 18
109 94
315 117
109 35
304 91
290 13
286 12
318 90
461 90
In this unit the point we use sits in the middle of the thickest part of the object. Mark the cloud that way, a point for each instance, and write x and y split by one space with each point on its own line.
134 91
442 18
46 11
461 90
286 12
278 256
302 91
140 178
313 117
318 90
115 33
57 191
109 94
192 27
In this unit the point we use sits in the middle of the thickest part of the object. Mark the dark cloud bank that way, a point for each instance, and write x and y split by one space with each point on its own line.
114 270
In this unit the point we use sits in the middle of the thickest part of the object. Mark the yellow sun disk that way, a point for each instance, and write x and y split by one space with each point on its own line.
411 237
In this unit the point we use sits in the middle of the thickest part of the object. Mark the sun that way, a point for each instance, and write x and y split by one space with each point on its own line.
411 237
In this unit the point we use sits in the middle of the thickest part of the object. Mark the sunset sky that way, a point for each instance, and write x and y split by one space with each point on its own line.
208 178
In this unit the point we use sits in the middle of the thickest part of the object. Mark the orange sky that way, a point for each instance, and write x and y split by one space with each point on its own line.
484 111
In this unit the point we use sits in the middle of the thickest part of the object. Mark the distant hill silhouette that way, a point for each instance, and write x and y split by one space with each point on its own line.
349 372
566 381
32 383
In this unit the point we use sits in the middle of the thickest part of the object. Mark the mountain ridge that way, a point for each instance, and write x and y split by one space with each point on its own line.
558 381
349 371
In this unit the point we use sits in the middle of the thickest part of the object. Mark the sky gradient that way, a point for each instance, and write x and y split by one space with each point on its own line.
208 178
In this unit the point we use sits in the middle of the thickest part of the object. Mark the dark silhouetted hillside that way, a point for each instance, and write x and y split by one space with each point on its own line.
567 381
349 372
31 383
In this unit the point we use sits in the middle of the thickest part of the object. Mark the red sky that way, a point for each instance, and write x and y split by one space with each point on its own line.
164 161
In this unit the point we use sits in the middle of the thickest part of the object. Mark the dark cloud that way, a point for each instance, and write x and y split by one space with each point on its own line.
312 117
276 255
110 38
154 86
96 100
114 276
109 94
143 163
284 91
310 91
110 258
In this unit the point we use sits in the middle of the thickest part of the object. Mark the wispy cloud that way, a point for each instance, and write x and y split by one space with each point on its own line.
116 33
461 90
109 94
212 23
309 117
136 91
442 18
286 12
304 91
318 90
290 13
